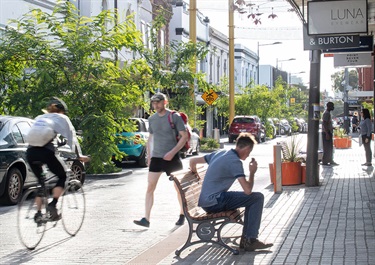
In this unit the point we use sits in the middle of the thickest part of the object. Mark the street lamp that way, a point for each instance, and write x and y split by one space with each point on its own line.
264 44
290 76
277 61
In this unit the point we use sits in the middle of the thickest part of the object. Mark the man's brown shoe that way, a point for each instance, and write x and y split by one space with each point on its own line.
256 245
242 242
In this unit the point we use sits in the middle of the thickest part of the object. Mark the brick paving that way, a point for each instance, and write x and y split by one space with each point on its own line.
333 223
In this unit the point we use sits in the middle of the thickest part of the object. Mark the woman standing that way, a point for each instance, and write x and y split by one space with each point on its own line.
366 130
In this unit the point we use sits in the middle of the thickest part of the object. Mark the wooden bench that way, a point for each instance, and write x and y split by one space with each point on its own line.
206 226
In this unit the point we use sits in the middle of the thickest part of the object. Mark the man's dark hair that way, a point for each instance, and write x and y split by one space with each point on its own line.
245 139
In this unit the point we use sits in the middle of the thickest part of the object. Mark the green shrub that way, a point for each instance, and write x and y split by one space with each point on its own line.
209 144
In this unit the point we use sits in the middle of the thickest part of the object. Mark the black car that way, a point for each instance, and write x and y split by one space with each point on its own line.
15 173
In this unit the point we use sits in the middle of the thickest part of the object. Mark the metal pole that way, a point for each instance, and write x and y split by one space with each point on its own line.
312 166
258 62
346 104
231 60
193 39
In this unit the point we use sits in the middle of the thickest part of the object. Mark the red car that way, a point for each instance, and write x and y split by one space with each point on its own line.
250 124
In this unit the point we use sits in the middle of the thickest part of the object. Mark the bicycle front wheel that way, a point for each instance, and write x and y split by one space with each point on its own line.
30 228
73 207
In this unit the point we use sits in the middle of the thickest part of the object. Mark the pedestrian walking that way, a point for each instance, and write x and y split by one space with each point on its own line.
327 136
366 130
163 150
224 167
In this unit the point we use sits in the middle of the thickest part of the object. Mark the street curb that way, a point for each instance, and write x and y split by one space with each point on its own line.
110 175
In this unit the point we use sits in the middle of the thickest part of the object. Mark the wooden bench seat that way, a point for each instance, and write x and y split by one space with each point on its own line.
206 226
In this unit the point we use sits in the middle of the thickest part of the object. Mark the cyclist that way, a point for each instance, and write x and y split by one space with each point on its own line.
42 148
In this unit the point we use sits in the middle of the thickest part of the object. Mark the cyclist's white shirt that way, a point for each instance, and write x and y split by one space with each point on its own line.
62 125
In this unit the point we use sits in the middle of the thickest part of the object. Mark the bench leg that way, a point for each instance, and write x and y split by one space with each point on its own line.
206 231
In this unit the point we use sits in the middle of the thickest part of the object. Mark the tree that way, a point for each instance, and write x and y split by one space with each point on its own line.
65 55
338 79
171 69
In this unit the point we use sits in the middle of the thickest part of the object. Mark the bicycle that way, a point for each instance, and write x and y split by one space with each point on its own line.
71 206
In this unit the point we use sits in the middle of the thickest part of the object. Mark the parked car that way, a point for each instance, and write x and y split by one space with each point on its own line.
15 173
194 144
285 128
134 144
250 124
282 126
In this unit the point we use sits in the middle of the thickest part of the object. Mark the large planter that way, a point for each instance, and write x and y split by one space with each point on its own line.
291 173
342 143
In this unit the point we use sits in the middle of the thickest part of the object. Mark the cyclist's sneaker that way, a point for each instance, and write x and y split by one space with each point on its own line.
38 217
53 215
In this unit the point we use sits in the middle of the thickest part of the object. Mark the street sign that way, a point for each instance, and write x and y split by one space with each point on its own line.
323 42
366 44
361 59
210 97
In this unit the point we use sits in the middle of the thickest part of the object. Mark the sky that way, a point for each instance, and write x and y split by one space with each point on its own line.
272 22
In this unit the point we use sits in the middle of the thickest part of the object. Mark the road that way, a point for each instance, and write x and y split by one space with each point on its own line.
108 234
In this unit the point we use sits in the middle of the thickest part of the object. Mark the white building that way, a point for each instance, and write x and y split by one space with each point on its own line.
245 67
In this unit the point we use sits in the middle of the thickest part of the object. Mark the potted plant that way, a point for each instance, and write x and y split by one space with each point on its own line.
341 138
292 159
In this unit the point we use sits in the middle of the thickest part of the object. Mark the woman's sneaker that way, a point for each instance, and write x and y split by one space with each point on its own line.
53 215
38 217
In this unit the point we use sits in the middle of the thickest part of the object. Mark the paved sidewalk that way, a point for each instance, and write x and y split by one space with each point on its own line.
330 224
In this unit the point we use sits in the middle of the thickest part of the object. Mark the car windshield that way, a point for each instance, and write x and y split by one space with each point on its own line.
243 120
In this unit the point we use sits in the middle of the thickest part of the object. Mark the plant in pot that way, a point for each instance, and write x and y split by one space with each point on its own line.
292 159
341 138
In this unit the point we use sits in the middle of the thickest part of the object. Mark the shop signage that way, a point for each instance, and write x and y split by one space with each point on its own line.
337 17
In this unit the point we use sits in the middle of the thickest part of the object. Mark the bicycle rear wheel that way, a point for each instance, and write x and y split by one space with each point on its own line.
73 207
31 231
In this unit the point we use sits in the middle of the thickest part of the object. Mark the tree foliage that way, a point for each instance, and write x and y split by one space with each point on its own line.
73 57
63 54
338 79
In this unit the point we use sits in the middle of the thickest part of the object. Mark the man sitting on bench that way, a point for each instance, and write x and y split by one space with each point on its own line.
224 167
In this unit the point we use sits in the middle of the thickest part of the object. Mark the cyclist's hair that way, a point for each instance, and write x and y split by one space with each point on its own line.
245 139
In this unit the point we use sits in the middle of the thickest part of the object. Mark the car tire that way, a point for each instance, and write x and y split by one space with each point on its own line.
230 139
13 187
197 149
142 161
78 171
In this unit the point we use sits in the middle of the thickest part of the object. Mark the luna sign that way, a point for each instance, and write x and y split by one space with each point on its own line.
337 17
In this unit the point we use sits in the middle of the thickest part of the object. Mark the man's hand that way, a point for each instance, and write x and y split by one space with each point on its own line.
253 166
168 156
84 159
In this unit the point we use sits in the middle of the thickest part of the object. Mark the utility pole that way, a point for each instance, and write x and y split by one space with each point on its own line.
231 60
193 39
312 166
346 103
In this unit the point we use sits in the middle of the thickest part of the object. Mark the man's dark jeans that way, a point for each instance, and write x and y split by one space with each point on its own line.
253 204
327 148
